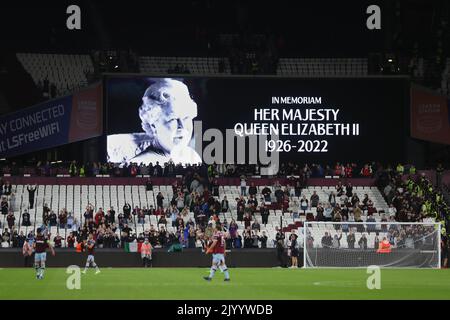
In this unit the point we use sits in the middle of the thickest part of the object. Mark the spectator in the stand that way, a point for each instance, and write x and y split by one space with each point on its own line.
141 216
10 218
12 202
256 225
58 240
337 217
264 211
240 212
376 242
290 190
339 170
252 202
225 207
348 171
191 237
89 212
304 204
247 220
263 240
349 190
400 169
355 199
339 189
159 200
62 217
70 241
31 193
371 227
252 190
99 216
232 229
366 171
327 241
320 213
127 211
351 239
370 207
180 201
4 206
266 192
6 236
328 212
314 199
73 170
337 241
357 213
243 186
255 239
365 202
248 241
392 210
363 242
112 215
344 226
26 219
149 185
332 199
7 189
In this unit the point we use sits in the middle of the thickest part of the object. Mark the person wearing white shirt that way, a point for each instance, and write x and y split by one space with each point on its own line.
328 212
392 210
243 186
304 204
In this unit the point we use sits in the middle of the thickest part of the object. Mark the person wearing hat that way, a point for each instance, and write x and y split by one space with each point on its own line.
166 114
146 253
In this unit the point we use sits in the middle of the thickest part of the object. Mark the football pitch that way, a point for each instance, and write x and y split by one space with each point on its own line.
246 283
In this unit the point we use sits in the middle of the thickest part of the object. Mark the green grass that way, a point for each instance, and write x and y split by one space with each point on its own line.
246 283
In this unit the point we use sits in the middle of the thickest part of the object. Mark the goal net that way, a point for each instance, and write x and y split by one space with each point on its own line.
362 244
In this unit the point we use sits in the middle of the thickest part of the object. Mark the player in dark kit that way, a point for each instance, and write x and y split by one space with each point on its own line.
217 248
89 247
40 246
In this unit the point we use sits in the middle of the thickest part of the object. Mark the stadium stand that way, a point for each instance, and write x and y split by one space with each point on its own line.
72 200
66 71
194 65
323 66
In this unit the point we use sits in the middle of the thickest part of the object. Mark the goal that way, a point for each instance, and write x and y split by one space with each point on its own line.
363 244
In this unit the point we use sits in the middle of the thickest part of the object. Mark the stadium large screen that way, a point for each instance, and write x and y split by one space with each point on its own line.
256 119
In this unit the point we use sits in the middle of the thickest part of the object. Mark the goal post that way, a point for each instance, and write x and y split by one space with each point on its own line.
362 244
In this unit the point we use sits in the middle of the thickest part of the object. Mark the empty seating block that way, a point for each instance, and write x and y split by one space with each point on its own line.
323 66
66 71
195 65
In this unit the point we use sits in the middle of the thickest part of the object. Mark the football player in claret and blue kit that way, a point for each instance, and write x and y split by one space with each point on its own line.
217 248
90 248
40 245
